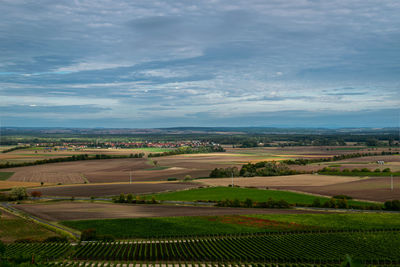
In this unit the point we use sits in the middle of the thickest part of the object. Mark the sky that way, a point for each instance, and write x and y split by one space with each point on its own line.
149 64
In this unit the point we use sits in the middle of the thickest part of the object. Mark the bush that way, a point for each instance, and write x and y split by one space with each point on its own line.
88 235
316 203
342 197
392 205
56 239
36 194
342 204
106 238
188 178
18 193
248 203
121 198
129 198
386 170
2 248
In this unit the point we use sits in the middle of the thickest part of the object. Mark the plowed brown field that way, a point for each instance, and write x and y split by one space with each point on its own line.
81 211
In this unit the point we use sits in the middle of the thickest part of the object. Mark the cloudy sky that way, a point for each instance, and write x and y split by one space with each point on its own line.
135 64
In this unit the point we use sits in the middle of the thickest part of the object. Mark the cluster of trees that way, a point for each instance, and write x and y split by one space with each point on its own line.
72 158
337 157
14 148
392 205
188 150
249 203
265 168
224 172
358 172
130 198
18 193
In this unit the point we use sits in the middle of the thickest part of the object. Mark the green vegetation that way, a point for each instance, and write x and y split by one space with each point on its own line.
15 228
353 221
163 226
301 247
358 172
337 157
188 150
217 225
215 194
5 175
157 168
153 149
265 168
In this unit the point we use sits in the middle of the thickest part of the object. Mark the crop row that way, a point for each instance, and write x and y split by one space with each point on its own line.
46 250
381 247
371 247
189 264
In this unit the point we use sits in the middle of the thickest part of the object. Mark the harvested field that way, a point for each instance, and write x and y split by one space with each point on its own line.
49 177
11 184
374 189
108 170
276 181
101 190
80 211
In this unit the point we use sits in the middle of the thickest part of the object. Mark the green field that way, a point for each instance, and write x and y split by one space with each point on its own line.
258 195
163 226
210 225
5 175
13 228
361 221
157 168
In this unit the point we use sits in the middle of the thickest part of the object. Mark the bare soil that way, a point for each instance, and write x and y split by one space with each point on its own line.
81 211
374 189
101 190
276 181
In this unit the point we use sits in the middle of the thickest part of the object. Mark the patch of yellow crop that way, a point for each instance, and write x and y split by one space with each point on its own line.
11 184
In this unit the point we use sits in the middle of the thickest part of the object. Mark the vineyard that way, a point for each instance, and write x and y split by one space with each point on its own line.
191 264
49 251
371 247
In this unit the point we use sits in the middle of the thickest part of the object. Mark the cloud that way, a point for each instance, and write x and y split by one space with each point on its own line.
213 60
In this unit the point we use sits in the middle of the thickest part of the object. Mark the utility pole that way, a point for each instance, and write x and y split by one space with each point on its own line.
391 182
232 177
130 176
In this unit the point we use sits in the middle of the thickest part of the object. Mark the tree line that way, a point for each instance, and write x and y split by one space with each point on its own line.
188 150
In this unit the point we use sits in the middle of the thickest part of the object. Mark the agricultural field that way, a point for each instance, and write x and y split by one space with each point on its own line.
374 189
13 228
371 189
371 247
5 175
301 247
223 193
31 154
236 224
60 211
6 185
112 189
177 166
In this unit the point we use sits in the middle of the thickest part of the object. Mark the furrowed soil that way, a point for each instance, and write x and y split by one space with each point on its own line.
278 181
62 211
101 190
374 189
